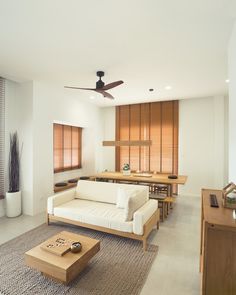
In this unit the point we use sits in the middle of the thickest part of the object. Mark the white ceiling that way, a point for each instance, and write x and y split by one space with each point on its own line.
148 44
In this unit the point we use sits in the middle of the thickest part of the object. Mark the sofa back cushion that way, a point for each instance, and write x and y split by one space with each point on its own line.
105 191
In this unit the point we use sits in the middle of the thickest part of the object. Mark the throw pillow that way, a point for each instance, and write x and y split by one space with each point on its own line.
123 194
133 203
121 198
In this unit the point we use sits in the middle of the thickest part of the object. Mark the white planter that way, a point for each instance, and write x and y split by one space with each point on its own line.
126 172
13 204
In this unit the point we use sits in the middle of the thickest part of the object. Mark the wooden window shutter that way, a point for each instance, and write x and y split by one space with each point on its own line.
67 147
58 147
67 150
79 147
75 146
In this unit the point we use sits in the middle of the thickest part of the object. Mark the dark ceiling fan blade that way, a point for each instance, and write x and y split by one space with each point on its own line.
112 85
79 88
104 93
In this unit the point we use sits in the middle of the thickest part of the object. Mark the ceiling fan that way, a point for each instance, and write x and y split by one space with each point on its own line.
100 86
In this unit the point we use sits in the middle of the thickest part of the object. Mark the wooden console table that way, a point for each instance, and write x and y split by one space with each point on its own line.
218 247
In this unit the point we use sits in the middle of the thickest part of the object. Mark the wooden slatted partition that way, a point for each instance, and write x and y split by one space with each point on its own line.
167 139
155 135
124 134
145 135
134 130
158 122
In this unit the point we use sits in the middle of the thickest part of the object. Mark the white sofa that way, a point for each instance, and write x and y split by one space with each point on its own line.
121 209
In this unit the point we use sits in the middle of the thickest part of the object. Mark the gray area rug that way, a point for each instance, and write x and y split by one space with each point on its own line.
120 267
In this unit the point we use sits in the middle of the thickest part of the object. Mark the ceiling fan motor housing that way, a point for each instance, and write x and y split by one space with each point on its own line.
100 83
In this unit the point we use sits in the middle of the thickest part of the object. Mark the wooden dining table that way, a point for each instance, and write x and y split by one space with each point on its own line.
147 178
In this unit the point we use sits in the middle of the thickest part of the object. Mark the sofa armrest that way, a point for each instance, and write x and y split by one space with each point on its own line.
59 199
142 215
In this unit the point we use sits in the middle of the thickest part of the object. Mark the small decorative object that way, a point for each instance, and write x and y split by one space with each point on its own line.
75 247
126 169
84 178
142 174
74 180
58 245
229 196
172 176
61 184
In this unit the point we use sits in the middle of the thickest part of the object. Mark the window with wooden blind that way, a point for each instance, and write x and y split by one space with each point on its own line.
2 137
66 147
158 122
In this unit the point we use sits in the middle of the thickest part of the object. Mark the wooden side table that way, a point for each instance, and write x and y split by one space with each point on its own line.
168 203
164 203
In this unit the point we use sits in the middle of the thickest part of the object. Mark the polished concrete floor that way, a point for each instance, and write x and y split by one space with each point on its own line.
175 269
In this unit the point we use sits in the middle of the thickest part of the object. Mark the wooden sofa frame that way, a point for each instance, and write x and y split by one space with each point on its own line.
148 226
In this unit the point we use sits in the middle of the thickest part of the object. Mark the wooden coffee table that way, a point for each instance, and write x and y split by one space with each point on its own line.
63 268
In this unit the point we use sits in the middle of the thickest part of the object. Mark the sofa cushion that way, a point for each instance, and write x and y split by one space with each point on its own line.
95 213
134 202
104 191
123 194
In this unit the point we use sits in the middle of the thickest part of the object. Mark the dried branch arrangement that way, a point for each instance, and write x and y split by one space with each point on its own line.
14 164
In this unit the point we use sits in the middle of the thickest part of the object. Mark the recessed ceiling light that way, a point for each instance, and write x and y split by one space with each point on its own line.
227 81
168 87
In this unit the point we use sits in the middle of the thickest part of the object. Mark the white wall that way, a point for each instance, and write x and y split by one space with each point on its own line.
53 103
31 109
232 105
19 117
201 143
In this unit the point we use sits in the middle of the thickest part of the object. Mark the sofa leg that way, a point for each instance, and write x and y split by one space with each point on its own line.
158 224
145 244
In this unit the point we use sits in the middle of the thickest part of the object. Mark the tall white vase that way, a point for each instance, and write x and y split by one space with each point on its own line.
13 204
